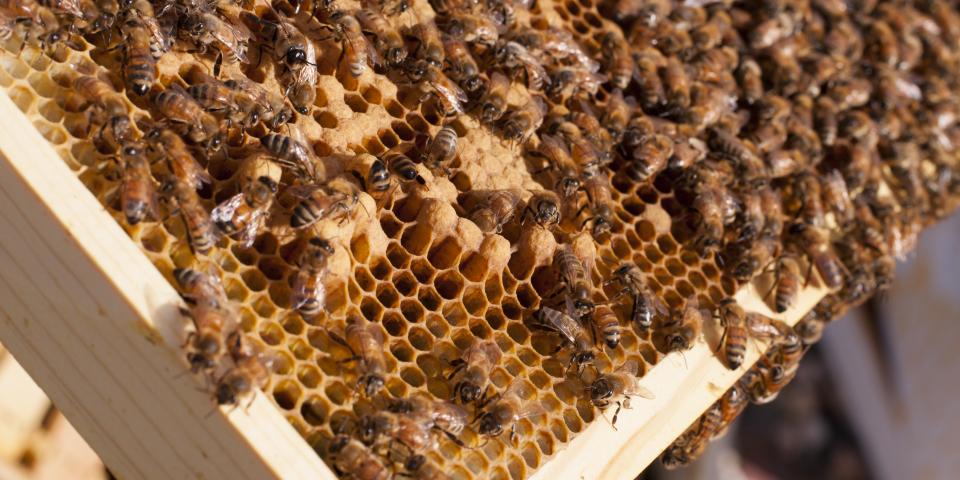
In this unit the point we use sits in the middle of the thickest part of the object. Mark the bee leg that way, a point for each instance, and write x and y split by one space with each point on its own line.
458 365
483 403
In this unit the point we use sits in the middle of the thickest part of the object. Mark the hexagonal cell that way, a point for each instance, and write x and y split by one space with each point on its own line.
287 394
449 284
444 254
356 103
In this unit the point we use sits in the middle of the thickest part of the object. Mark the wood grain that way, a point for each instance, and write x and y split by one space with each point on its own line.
97 327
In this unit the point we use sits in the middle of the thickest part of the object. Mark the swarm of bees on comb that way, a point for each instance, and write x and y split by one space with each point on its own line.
419 225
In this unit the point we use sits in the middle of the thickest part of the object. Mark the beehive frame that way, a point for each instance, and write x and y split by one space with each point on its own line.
98 327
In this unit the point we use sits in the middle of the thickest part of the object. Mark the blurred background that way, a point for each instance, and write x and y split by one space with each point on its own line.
873 400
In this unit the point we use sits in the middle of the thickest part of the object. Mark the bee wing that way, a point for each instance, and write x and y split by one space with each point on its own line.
640 391
562 324
253 226
224 212
491 350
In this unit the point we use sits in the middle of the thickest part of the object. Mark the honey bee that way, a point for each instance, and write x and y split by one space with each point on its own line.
298 56
160 38
464 70
733 343
617 387
681 328
365 340
447 417
695 439
290 152
429 44
356 51
388 41
815 243
472 28
607 324
617 115
450 97
570 331
617 58
746 162
412 432
138 195
522 121
676 84
243 215
494 103
180 108
543 208
709 217
786 284
506 409
650 157
600 199
251 370
319 203
571 82
403 166
442 149
646 305
810 327
472 370
182 163
101 94
555 151
516 58
783 163
212 321
498 208
200 229
575 280
350 456
309 293
229 38
140 66
270 107
217 97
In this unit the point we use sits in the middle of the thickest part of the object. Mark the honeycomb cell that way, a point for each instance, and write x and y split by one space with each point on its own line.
449 284
404 282
413 377
287 394
646 230
420 339
422 270
356 103
293 324
309 376
412 311
653 254
403 131
429 298
380 269
326 119
394 323
444 254
315 410
394 109
272 334
493 290
431 366
371 94
254 280
154 240
437 325
371 309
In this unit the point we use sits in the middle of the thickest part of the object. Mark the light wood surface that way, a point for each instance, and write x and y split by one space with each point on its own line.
22 407
684 386
96 326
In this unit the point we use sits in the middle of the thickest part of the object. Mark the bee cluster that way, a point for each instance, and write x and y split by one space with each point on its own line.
419 224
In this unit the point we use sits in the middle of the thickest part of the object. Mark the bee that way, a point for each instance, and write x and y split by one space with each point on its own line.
182 163
140 65
101 94
429 44
522 121
617 58
569 82
543 208
810 327
217 97
733 343
160 38
373 175
230 39
815 243
472 370
494 102
319 203
677 84
291 153
646 305
403 166
463 68
365 340
600 199
298 56
493 212
709 218
555 151
138 195
617 115
607 324
212 321
514 57
786 284
575 280
442 149
746 162
618 386
388 41
350 456
447 417
570 331
270 107
783 163
681 328
180 108
650 157
243 215
251 370
413 432
694 440
200 229
472 28
309 293
506 409
356 51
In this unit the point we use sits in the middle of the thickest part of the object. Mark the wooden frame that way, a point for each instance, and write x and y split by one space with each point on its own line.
97 327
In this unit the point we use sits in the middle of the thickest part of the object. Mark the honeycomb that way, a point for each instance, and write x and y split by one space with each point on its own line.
414 263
